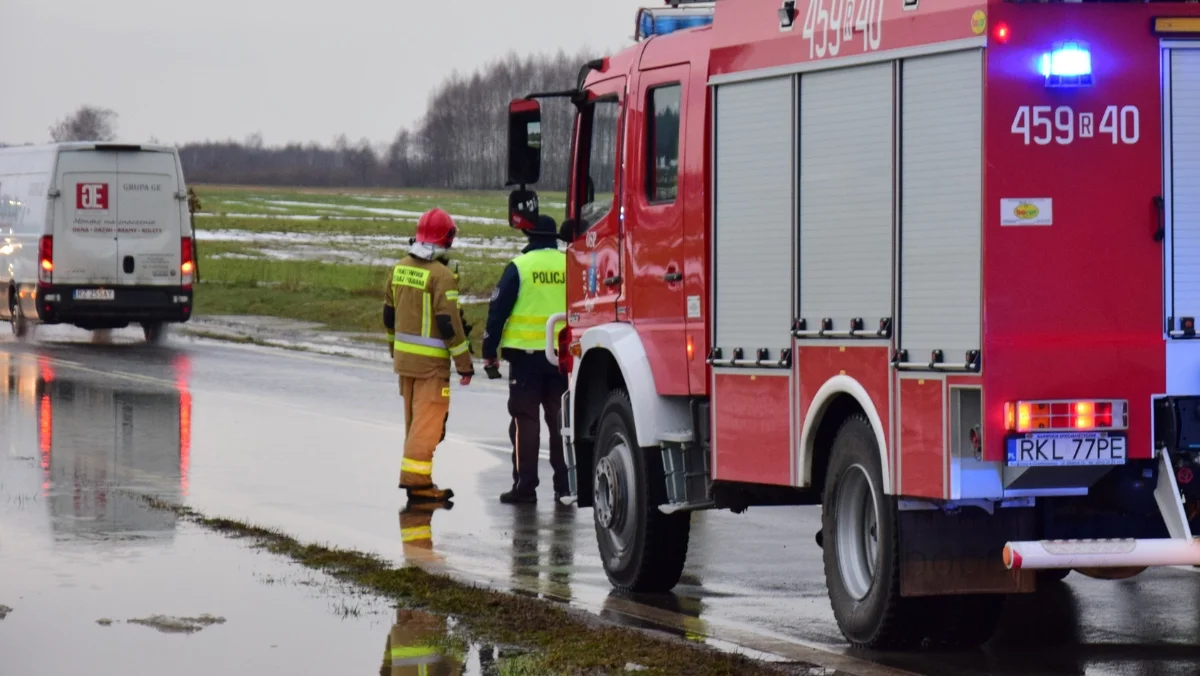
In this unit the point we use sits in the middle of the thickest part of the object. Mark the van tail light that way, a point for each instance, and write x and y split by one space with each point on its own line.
187 265
45 260
1070 414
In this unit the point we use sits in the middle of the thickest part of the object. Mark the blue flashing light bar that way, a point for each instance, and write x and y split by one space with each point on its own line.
651 22
1069 64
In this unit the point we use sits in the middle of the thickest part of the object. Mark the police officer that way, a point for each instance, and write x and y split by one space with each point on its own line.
531 289
421 315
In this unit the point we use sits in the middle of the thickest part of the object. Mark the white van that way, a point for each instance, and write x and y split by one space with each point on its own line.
96 235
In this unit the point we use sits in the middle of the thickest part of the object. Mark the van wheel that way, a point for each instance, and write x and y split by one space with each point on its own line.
20 325
643 550
154 332
861 548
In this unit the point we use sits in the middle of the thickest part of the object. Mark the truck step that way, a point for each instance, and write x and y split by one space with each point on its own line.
1042 554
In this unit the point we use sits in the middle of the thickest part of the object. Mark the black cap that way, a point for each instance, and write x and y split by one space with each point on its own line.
544 227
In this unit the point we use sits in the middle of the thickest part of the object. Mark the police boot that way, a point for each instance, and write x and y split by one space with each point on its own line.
430 493
514 498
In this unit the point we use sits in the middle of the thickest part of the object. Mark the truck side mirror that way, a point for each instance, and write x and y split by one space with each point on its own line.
522 209
524 142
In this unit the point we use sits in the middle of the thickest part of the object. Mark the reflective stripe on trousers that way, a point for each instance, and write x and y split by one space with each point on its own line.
416 533
416 466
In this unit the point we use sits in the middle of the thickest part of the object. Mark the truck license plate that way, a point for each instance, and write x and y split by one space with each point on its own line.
1066 449
95 294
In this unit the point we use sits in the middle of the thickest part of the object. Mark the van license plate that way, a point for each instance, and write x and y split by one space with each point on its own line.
1066 449
95 294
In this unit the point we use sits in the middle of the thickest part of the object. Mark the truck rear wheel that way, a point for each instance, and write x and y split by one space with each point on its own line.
861 548
643 550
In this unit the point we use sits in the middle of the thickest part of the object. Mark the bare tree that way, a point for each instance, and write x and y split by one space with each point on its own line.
460 142
89 123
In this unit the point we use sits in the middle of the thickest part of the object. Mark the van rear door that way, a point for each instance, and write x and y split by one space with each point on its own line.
85 237
149 219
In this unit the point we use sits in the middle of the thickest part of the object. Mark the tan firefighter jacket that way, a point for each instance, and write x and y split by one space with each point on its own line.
427 331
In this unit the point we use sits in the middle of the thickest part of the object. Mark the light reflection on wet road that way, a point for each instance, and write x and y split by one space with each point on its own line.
312 446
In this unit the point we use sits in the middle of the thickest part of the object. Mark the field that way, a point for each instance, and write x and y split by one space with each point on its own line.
325 255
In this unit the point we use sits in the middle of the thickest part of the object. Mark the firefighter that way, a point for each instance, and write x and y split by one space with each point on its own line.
425 329
531 289
193 201
412 647
416 531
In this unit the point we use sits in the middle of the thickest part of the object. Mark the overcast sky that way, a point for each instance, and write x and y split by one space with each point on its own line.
294 70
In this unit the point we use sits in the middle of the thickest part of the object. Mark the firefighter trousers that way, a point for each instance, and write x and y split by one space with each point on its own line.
426 410
534 384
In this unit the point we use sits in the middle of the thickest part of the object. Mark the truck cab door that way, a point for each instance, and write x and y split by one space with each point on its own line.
594 279
653 248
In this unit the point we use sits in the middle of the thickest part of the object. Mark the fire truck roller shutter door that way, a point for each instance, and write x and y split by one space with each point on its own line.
1183 212
754 282
941 196
753 228
846 186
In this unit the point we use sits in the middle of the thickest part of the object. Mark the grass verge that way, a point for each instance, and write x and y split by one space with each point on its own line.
343 297
563 642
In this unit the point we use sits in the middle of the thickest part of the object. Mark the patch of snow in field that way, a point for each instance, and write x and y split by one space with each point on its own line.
236 256
385 212
286 217
373 241
331 216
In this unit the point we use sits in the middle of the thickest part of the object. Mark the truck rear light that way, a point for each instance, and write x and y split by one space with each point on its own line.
187 265
45 259
1002 33
566 354
1071 414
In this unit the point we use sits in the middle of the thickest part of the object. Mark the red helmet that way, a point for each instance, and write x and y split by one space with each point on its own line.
436 228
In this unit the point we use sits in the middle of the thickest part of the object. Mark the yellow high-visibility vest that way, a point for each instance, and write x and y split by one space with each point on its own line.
543 293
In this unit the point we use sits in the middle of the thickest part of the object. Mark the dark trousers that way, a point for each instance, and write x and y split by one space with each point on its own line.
532 383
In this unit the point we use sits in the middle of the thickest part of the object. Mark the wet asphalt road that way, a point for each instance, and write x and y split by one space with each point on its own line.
312 445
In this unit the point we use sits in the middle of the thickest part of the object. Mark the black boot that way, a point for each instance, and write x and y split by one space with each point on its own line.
514 498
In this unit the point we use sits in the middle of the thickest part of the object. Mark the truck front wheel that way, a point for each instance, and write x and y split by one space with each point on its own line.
643 550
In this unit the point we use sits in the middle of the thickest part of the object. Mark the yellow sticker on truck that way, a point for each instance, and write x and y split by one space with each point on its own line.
1026 211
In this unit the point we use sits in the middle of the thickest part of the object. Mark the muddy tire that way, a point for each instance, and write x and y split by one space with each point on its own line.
861 548
642 549
154 332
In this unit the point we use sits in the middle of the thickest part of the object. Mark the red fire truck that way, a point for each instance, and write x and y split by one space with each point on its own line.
931 264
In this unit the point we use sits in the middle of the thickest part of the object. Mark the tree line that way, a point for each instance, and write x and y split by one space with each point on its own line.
459 143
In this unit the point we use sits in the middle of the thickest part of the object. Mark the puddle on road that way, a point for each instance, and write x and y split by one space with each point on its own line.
90 564
86 564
